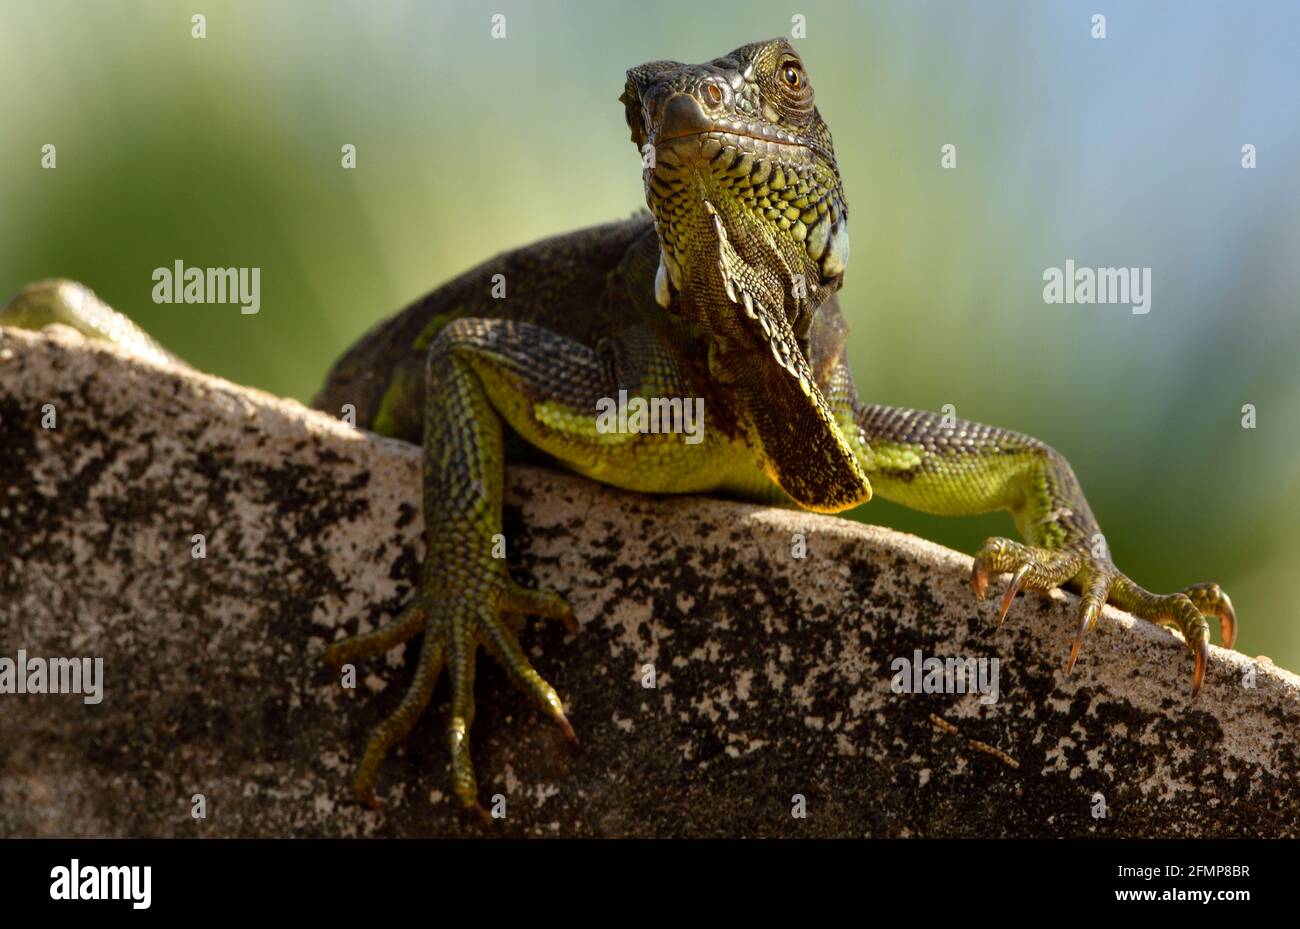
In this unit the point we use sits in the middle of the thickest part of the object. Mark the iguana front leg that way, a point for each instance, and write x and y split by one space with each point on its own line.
482 373
466 598
958 468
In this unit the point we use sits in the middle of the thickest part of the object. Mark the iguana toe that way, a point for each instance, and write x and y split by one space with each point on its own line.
454 628
1099 582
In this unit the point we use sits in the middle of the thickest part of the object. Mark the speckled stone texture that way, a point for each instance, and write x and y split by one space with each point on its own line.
772 673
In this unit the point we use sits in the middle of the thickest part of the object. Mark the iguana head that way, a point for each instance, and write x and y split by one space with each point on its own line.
738 143
741 177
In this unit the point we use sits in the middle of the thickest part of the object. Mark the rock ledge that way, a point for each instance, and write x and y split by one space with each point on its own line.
772 672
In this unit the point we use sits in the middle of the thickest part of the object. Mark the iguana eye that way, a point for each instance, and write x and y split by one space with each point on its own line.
791 76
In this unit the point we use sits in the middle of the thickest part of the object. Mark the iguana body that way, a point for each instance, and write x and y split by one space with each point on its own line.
724 292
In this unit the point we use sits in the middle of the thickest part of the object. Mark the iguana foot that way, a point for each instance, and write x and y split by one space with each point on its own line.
454 626
1099 582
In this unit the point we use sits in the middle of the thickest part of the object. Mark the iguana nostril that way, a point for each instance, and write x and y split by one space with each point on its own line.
712 92
683 115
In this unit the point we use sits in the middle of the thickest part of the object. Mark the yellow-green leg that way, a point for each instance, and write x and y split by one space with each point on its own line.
953 467
466 598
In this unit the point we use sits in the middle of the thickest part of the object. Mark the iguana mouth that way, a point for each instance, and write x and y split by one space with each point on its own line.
684 116
733 136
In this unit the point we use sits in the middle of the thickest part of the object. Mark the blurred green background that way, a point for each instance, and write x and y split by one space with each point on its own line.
1122 151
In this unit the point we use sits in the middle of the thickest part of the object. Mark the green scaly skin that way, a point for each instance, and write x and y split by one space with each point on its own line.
726 292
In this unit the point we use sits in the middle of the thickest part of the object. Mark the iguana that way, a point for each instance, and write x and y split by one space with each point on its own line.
725 292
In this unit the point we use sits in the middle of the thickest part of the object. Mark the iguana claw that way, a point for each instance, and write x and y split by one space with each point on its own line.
1099 582
454 628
